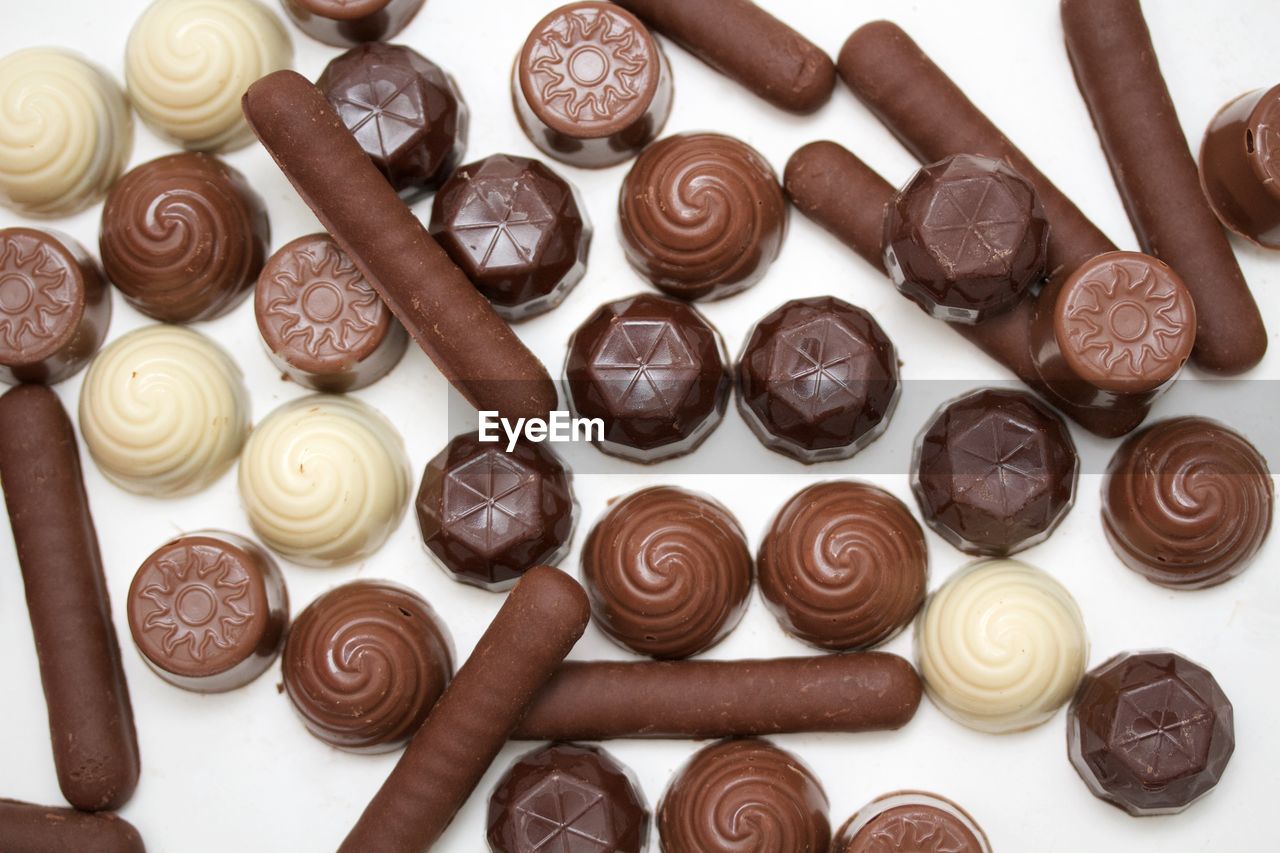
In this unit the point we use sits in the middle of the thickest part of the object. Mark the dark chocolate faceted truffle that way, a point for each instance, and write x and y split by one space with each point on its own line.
994 472
965 238
911 822
567 799
653 370
1150 732
817 379
487 515
517 229
406 113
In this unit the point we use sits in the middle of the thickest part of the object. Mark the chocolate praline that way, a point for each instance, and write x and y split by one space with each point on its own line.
346 23
654 371
701 215
817 379
911 822
1240 166
994 472
569 799
406 113
1150 732
517 229
667 571
488 515
183 237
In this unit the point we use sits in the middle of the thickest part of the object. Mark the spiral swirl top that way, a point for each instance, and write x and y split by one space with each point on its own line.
744 796
188 62
1001 646
65 132
667 571
324 480
364 664
164 411
844 565
1187 503
702 215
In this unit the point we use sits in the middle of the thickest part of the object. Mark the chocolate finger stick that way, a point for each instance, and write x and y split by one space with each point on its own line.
746 43
95 748
1119 77
30 828
456 327
598 700
542 618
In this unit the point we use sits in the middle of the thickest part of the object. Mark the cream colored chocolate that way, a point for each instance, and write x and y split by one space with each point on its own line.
1001 646
164 411
324 480
188 62
65 132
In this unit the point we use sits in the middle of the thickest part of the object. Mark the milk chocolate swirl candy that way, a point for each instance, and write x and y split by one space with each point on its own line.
184 237
54 306
702 215
843 565
95 748
1240 166
345 23
744 795
1187 503
364 664
1001 646
911 822
667 571
164 411
188 61
33 828
65 132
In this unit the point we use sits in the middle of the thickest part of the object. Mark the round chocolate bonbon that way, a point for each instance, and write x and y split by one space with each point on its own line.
653 370
843 566
183 237
1150 732
208 611
364 664
488 515
911 822
66 135
1187 503
740 795
321 321
346 23
994 472
817 379
406 113
517 229
591 86
1240 166
667 571
567 798
702 215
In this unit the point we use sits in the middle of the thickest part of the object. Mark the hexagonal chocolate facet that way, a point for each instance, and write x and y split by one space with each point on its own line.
965 238
1150 732
516 229
487 515
406 113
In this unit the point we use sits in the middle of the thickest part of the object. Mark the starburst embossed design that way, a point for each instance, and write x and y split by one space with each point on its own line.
587 71
503 223
1122 323
973 222
492 502
197 601
1161 729
821 360
646 364
322 303
385 110
911 832
35 291
1003 463
565 815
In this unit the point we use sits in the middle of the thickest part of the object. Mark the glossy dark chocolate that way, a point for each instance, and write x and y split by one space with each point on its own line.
910 822
32 828
345 23
1240 166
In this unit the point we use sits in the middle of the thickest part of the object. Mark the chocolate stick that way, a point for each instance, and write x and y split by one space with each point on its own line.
95 748
542 618
698 699
30 828
455 326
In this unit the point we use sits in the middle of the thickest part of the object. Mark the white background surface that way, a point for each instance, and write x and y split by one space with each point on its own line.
238 771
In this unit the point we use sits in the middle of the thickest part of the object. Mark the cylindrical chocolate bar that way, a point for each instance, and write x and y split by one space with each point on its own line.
696 699
746 43
31 828
474 349
95 748
542 618
1119 76
1240 166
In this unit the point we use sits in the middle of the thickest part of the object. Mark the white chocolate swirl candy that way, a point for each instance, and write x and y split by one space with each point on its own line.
324 480
1001 646
188 62
164 411
65 132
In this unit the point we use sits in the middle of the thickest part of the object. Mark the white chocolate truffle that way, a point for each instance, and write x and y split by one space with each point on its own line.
188 62
164 411
65 132
1001 646
324 480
